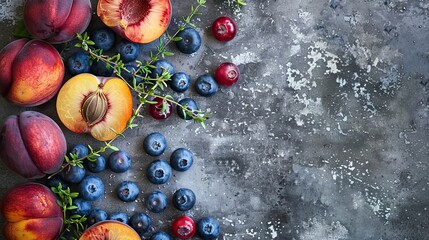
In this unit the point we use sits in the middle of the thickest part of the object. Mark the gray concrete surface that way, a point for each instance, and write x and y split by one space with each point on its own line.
324 137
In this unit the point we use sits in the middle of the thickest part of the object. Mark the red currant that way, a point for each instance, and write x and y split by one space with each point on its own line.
224 29
184 227
227 74
162 109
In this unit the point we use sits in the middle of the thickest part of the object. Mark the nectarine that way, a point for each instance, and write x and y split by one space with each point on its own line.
31 212
57 21
141 21
99 105
31 72
110 230
32 144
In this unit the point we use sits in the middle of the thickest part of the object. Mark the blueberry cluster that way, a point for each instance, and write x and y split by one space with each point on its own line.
159 171
91 187
188 41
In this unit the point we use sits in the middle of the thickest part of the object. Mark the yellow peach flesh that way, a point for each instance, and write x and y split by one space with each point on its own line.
112 230
119 105
70 98
140 21
117 114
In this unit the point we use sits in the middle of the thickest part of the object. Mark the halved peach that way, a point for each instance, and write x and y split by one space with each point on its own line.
141 21
101 106
110 230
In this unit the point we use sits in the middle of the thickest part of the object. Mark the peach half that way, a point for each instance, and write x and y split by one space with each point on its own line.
110 230
140 21
31 212
31 72
57 21
101 106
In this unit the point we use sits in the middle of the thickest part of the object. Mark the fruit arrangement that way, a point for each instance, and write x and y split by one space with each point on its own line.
102 95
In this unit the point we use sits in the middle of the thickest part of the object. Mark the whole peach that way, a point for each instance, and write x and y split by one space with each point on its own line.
57 21
31 212
31 72
32 144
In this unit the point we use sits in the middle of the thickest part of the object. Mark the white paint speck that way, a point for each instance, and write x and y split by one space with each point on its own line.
246 57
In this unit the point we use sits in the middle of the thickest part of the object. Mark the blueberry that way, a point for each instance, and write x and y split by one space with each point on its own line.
55 181
119 216
208 228
180 82
127 191
206 85
190 105
119 161
96 215
181 159
161 235
80 150
104 38
96 166
129 76
190 42
159 171
156 202
91 188
140 222
73 174
78 62
155 144
184 199
129 51
83 207
100 68
161 66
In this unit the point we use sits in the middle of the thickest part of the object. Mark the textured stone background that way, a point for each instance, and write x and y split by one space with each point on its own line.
324 137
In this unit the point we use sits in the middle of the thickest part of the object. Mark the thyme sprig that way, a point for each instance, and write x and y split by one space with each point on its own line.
147 89
74 160
73 223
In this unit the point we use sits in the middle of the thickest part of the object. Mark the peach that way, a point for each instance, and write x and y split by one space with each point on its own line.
101 106
32 144
30 212
110 230
57 21
141 21
31 72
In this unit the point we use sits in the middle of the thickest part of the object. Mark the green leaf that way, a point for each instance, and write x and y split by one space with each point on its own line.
150 102
21 30
176 39
59 202
67 159
168 54
113 148
74 194
76 216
